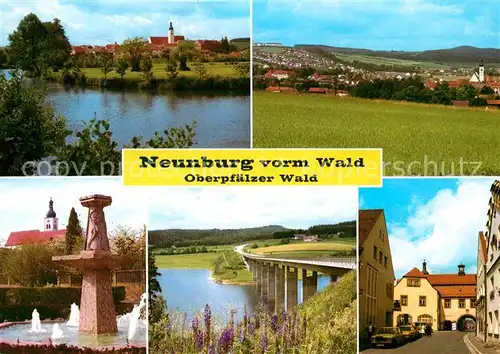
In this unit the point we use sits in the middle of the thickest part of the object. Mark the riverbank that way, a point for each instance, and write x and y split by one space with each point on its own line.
221 275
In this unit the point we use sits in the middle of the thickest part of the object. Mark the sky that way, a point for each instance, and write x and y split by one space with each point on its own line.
436 220
241 207
409 25
25 201
100 22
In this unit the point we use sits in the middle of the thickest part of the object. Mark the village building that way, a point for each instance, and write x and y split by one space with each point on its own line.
445 301
279 74
491 283
49 233
376 272
482 260
170 41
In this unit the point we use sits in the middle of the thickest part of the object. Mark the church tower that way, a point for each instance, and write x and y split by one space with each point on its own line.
481 71
171 37
50 221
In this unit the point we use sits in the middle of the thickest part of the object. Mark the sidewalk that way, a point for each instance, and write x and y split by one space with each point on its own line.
477 346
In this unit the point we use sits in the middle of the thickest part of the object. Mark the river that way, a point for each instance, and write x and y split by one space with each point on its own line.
189 290
223 120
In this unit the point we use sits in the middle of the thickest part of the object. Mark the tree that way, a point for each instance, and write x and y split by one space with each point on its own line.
121 67
486 90
225 47
36 45
242 69
129 242
134 49
184 51
74 233
199 69
171 68
30 265
29 129
106 65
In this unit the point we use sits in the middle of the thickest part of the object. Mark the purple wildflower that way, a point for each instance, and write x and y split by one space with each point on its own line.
274 323
263 342
211 349
197 334
226 340
207 318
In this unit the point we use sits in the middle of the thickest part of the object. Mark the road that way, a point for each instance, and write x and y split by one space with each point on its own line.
451 342
342 262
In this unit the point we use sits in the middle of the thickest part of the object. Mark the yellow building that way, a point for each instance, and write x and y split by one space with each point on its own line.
376 273
446 301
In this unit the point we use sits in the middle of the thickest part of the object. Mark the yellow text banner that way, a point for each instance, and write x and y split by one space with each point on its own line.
252 167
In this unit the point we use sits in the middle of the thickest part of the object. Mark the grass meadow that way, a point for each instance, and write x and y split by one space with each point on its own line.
159 72
417 139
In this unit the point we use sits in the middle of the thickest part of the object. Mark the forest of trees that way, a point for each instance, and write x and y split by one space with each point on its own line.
215 237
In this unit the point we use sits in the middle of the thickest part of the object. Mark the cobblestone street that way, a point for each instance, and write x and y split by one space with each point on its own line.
438 343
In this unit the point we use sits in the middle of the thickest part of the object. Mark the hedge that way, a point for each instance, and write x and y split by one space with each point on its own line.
55 349
17 304
180 83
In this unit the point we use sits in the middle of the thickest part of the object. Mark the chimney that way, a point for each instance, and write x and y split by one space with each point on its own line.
424 268
461 269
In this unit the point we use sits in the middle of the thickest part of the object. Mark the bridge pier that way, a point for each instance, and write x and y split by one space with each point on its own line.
264 291
291 287
271 287
280 288
309 284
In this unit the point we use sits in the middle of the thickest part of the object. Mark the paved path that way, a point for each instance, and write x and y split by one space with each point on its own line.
437 343
343 262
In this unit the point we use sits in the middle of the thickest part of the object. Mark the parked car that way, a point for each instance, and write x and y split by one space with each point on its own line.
388 336
410 332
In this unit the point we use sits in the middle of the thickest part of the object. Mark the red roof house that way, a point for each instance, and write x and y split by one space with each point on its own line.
19 238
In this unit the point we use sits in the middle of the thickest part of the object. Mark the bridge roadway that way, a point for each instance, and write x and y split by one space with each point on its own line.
277 278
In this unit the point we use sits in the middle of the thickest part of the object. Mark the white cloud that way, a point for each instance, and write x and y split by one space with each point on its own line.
238 207
24 202
443 231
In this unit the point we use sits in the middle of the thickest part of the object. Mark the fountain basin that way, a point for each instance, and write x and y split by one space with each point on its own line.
20 334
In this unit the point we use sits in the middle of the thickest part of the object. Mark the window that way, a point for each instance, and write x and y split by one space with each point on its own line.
447 303
404 300
385 261
473 303
414 283
422 301
461 303
375 252
380 257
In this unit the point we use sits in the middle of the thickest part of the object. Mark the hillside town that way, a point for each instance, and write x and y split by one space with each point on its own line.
422 302
286 69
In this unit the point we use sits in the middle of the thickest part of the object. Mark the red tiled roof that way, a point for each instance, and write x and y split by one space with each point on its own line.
287 89
461 103
273 89
17 238
493 102
210 45
414 273
457 291
452 279
317 90
164 40
367 218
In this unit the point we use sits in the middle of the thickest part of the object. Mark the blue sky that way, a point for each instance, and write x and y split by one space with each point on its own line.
379 25
100 22
25 201
433 219
240 207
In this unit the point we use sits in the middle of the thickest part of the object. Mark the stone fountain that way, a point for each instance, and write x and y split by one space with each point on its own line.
97 309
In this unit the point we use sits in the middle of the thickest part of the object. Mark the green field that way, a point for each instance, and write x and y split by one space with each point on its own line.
159 72
326 246
417 139
389 61
187 261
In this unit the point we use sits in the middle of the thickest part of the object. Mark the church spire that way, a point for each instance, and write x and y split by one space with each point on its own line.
51 213
171 28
